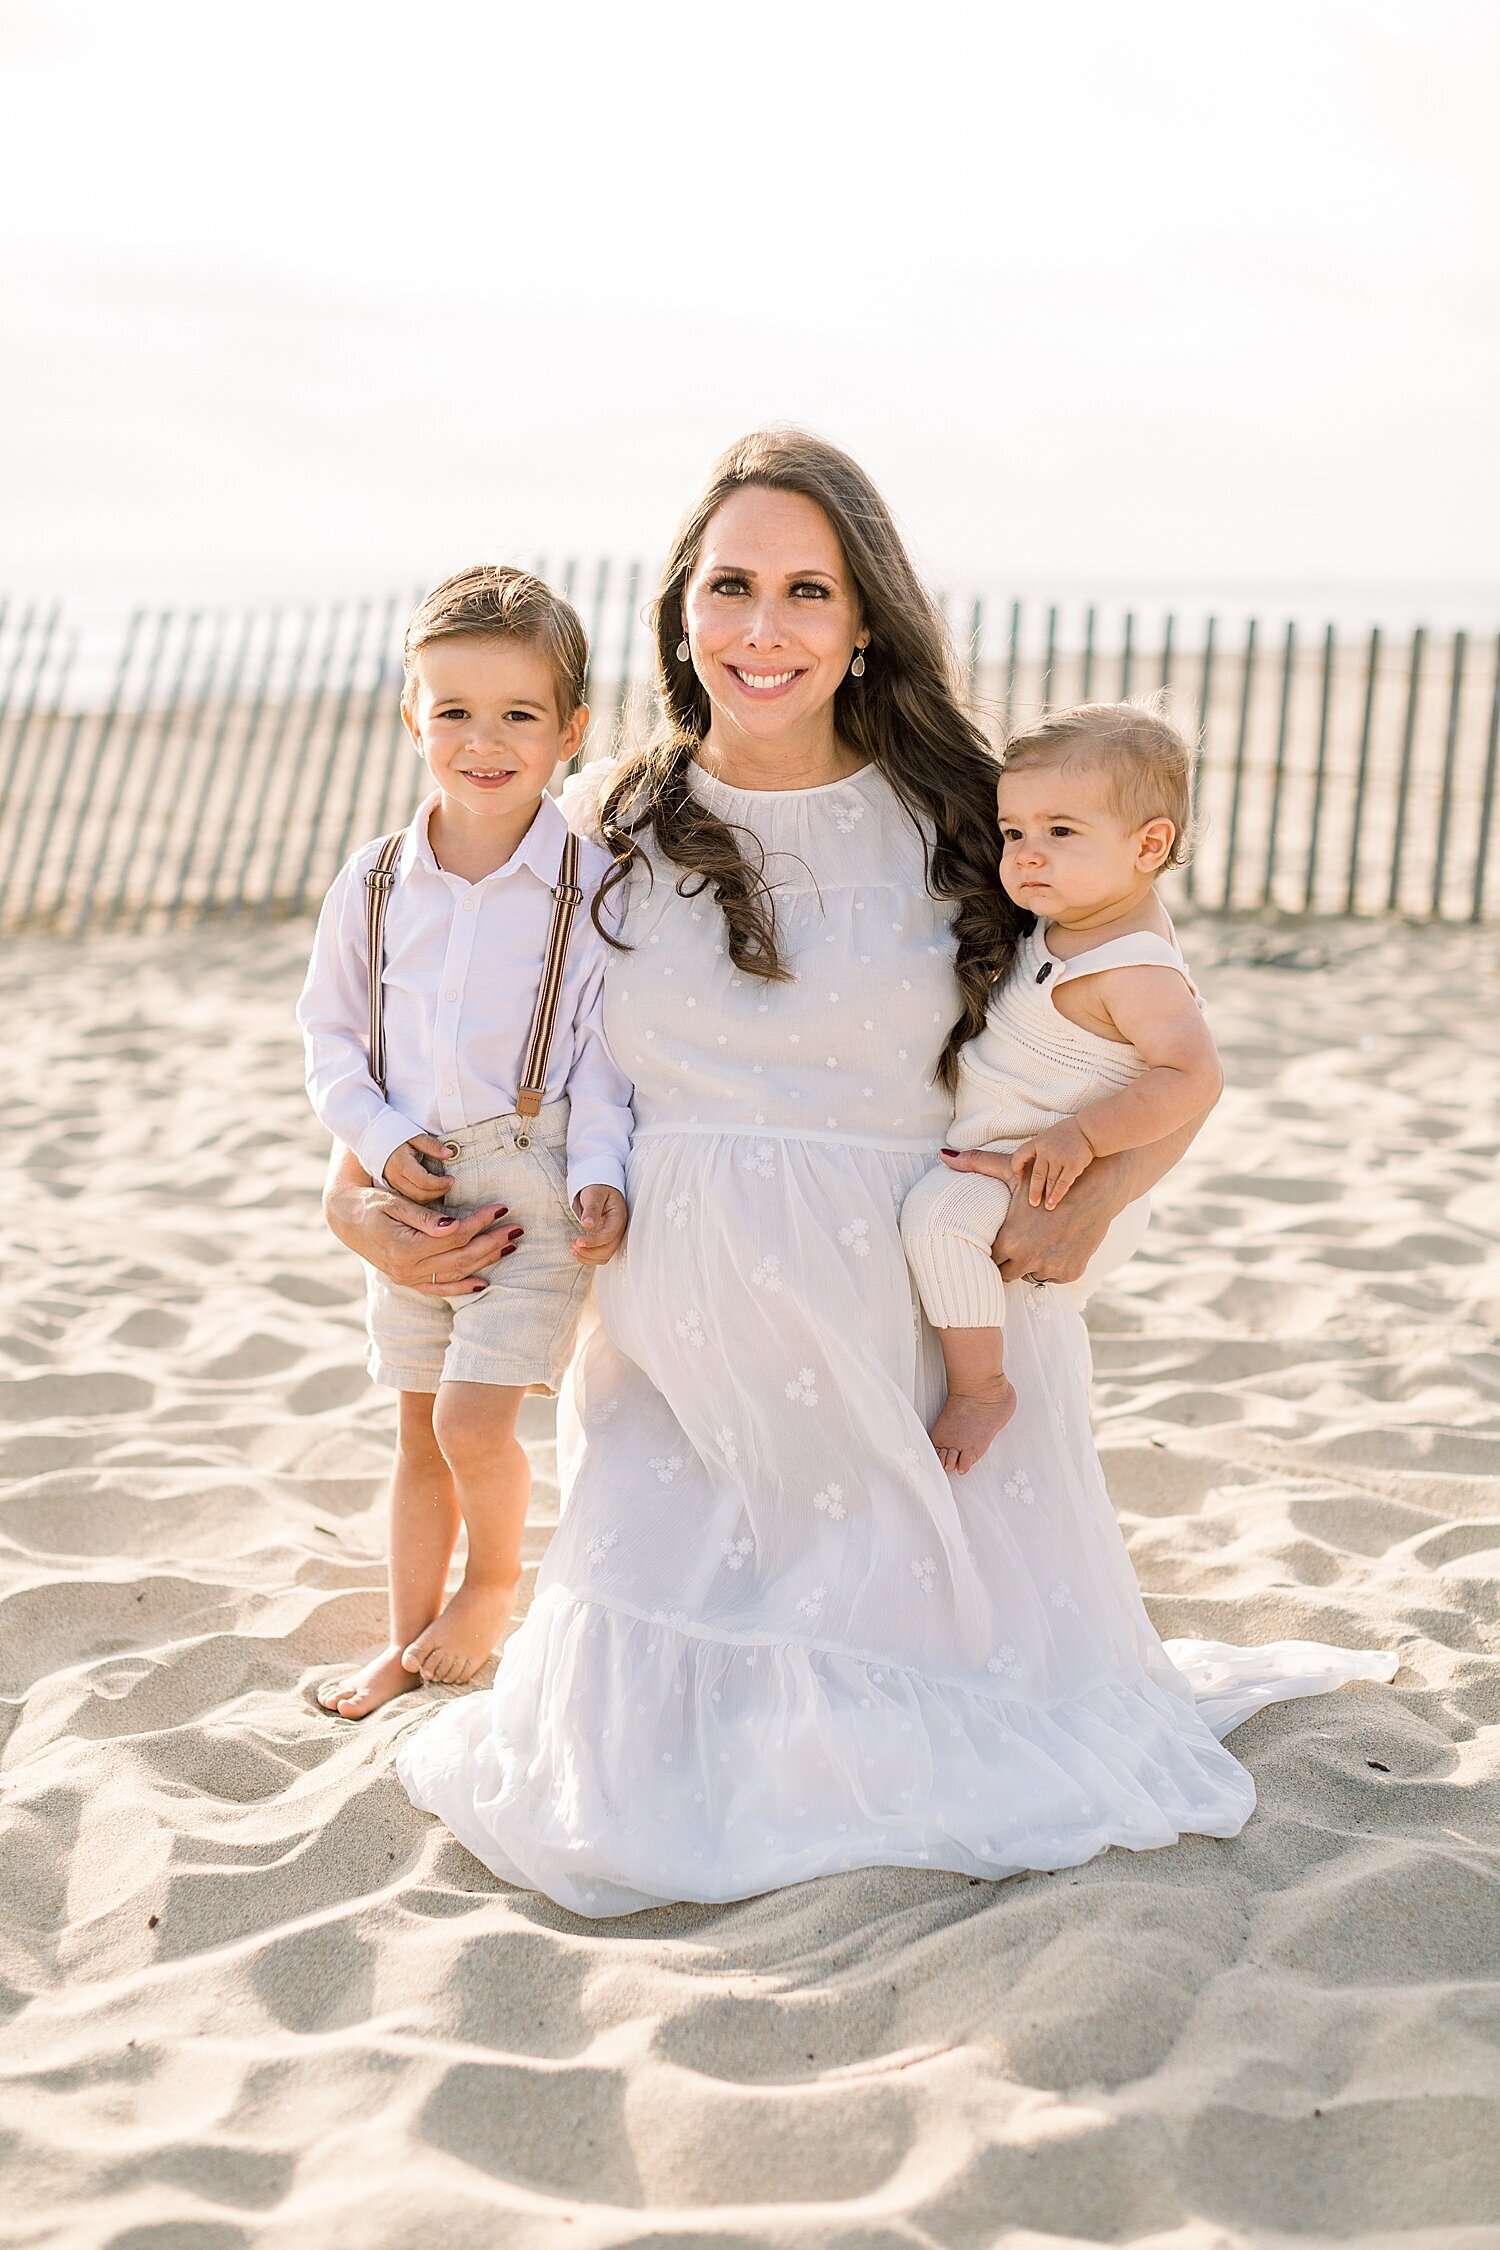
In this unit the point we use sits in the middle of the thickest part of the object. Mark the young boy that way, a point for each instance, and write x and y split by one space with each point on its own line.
471 1068
1094 1042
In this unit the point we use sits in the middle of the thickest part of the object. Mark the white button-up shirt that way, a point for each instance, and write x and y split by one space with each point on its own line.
463 962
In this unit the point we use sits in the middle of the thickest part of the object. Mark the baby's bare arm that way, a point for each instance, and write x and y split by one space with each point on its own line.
1155 1011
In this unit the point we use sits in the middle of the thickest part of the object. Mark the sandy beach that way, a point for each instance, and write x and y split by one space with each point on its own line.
248 1997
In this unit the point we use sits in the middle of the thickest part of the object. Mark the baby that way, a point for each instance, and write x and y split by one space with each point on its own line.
452 1017
1094 1041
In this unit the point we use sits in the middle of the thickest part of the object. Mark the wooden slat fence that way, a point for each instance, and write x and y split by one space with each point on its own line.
192 763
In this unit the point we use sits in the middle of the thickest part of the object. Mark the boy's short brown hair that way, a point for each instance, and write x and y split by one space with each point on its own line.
502 603
1148 761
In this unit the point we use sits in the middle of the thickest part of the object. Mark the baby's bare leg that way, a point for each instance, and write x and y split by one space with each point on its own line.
475 1426
980 1398
424 1519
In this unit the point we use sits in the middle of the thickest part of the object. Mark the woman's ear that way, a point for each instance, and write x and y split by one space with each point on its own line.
1154 844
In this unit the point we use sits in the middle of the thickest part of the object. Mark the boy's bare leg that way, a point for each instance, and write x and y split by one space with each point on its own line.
424 1520
475 1424
981 1399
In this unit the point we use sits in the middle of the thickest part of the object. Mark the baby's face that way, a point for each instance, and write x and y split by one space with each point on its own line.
1066 852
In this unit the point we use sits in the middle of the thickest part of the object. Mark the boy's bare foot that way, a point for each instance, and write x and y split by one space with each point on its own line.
359 1693
454 1646
962 1433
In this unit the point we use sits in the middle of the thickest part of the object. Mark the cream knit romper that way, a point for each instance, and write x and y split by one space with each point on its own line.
1027 1069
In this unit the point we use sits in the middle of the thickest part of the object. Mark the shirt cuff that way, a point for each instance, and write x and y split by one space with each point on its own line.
380 1141
597 1171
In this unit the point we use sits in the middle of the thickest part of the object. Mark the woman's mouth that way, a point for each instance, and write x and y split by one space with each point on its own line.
765 685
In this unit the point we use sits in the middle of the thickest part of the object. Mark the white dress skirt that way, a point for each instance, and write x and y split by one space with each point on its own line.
771 1639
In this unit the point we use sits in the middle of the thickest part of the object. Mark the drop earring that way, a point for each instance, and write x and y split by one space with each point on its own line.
683 651
857 668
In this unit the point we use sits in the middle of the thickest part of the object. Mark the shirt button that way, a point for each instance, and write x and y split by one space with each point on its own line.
450 995
468 906
448 1087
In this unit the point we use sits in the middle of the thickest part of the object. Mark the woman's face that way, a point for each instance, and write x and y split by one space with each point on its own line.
771 614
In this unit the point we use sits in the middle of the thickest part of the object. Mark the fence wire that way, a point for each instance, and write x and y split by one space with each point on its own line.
185 763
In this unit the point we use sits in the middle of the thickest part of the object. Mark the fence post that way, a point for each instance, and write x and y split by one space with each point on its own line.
184 762
1012 665
1403 781
163 737
1127 656
1487 795
273 758
1205 690
23 728
1048 659
331 757
211 765
1316 817
1273 823
49 728
1362 769
314 712
1166 653
1246 684
122 778
1450 753
1086 686
101 744
242 764
361 756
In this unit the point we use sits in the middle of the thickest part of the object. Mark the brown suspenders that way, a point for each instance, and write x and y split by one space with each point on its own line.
567 896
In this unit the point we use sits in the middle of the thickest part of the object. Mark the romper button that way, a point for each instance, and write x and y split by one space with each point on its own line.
1044 972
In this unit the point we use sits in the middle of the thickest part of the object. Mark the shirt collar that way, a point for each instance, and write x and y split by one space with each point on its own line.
540 849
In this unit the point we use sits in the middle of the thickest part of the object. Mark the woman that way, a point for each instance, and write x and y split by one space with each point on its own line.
771 1638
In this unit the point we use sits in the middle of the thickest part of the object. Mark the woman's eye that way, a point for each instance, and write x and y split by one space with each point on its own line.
727 585
811 586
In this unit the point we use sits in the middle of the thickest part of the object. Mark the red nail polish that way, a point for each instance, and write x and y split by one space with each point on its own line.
948 1152
447 1222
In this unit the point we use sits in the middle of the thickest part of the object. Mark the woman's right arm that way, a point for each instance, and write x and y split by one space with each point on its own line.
439 1253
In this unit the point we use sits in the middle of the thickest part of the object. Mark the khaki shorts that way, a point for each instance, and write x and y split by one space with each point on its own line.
520 1330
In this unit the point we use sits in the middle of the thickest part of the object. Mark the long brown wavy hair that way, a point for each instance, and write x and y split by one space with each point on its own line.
904 716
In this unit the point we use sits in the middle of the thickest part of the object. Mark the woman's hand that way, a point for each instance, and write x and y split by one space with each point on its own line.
1040 1245
438 1253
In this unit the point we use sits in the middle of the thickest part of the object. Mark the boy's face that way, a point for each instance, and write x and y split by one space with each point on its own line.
1065 850
483 713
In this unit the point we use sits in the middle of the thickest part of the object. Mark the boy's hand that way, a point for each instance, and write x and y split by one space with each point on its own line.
602 1214
409 1176
1057 1158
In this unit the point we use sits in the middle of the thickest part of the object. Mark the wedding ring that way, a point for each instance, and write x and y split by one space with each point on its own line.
434 1280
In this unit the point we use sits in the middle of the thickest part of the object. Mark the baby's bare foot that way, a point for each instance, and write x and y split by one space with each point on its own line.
359 1693
962 1433
455 1644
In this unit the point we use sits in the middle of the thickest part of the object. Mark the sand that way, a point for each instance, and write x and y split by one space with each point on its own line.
249 1997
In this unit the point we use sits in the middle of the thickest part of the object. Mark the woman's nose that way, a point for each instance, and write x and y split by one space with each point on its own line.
764 628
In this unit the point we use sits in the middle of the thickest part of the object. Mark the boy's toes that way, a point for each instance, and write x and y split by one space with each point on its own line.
415 1656
333 1692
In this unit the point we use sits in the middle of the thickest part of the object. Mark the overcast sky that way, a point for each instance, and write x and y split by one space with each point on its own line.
313 295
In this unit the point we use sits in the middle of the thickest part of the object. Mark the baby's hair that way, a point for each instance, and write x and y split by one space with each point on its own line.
504 604
1148 761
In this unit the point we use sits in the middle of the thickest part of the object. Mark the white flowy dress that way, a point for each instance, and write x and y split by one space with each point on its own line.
771 1638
